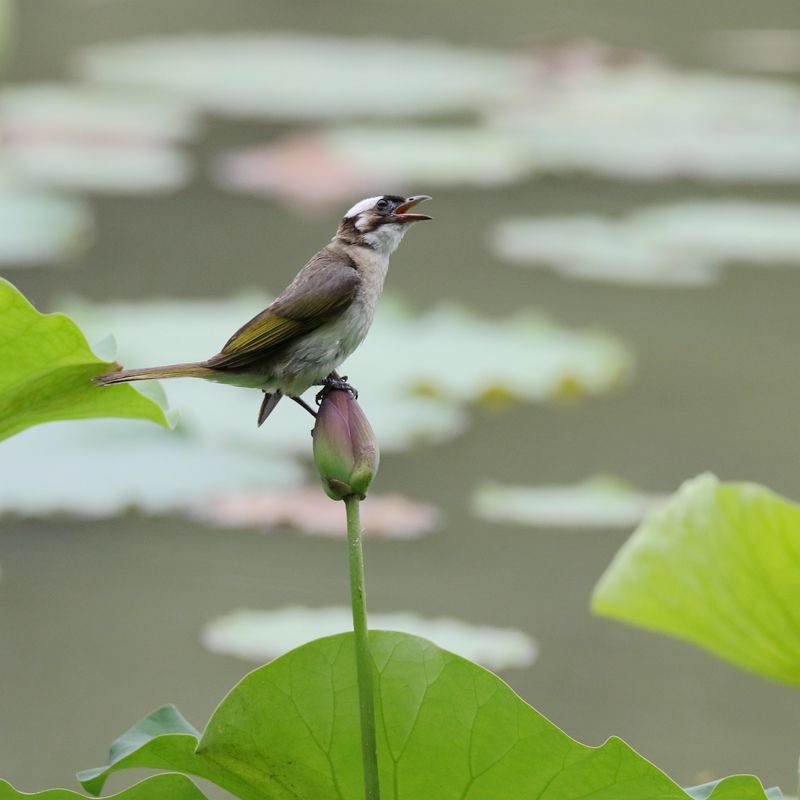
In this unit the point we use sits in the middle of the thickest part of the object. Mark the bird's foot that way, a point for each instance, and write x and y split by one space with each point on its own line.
333 381
306 406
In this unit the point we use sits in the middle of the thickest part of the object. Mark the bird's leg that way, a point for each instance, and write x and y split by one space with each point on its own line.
306 406
334 381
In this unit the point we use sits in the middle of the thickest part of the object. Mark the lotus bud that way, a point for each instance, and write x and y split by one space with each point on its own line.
345 448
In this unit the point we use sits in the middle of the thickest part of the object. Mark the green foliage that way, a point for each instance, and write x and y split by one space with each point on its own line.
447 729
159 787
716 566
47 371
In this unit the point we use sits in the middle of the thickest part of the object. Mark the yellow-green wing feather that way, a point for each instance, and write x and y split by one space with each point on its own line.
322 291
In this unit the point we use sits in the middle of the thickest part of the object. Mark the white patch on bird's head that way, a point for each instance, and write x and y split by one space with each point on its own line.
362 205
385 238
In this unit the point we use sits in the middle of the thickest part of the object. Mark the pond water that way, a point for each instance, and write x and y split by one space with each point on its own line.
100 621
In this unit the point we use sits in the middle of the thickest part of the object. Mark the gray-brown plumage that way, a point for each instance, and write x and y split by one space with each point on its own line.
317 321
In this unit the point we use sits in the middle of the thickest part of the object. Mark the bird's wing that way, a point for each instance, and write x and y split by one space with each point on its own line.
320 293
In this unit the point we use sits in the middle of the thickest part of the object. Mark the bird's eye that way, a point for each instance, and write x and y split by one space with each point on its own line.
382 205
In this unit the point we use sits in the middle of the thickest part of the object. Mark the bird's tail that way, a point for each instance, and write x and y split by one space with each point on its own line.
192 370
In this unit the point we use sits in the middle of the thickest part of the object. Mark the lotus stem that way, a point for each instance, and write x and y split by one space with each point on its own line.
366 696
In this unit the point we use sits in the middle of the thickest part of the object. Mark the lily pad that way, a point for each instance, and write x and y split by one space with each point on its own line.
389 516
264 635
95 139
600 502
717 567
321 168
157 332
277 75
684 244
470 358
47 372
447 729
40 227
408 400
594 109
101 469
159 787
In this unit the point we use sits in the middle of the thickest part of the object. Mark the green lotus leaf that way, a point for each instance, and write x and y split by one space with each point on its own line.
159 787
47 371
717 566
447 729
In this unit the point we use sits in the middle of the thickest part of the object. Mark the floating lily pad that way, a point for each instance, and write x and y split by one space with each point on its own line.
593 109
601 502
309 510
264 635
469 358
318 169
101 469
716 566
95 139
278 75
39 227
684 244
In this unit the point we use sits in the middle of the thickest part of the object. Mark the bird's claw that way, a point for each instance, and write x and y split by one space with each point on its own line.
331 383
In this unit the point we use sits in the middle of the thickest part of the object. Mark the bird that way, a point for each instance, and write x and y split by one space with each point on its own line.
316 322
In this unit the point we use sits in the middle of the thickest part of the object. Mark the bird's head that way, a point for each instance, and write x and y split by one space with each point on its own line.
380 222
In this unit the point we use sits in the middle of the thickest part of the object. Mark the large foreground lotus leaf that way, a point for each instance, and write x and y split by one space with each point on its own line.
47 372
263 635
39 227
277 75
716 566
159 787
330 166
447 729
95 139
683 244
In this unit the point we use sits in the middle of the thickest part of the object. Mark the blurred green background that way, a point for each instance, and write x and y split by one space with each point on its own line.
100 620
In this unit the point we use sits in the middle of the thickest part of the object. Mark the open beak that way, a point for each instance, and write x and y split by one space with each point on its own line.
400 213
